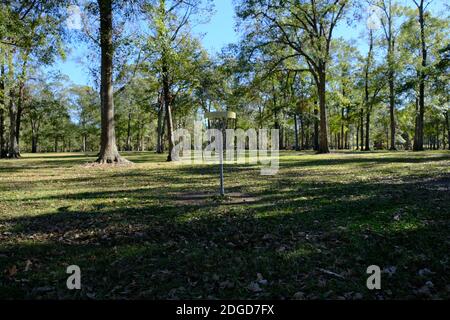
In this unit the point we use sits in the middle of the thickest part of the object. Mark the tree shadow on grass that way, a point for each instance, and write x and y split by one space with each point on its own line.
166 251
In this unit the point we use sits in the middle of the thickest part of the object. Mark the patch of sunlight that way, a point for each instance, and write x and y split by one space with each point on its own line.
134 250
404 226
298 253
191 216
277 212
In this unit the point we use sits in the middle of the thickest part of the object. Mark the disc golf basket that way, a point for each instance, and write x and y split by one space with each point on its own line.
222 121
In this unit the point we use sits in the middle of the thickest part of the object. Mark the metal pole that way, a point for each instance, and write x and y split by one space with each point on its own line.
222 186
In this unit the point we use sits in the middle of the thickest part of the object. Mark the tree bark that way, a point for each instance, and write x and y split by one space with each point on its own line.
392 110
281 142
160 129
347 140
367 146
418 138
168 108
302 132
444 126
357 136
2 133
20 111
2 113
368 103
316 130
34 143
321 86
34 136
84 146
361 126
129 132
438 141
108 147
447 117
341 142
297 146
391 74
13 151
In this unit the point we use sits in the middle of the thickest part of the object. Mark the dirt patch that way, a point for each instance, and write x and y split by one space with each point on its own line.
207 198
97 165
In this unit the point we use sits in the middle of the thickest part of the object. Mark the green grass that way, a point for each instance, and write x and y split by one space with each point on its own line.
142 232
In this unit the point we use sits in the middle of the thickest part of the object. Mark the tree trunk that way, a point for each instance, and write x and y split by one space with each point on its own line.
438 142
13 151
444 126
366 98
342 129
447 117
281 138
34 143
367 147
160 129
392 110
84 142
108 146
323 134
302 132
316 129
2 112
2 133
168 107
336 140
391 74
346 146
357 137
297 147
129 132
19 112
361 126
418 138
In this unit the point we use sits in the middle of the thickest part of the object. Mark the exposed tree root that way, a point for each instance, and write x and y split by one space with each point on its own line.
108 159
13 156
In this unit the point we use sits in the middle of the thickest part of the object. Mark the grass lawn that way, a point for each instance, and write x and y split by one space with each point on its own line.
151 230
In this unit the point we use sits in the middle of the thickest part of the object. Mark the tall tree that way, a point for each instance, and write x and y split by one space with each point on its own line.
2 106
175 54
390 13
306 29
373 84
32 30
418 137
108 147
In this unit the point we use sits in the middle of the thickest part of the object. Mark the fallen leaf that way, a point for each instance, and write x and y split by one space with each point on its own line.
390 270
424 272
226 284
261 279
12 271
254 287
299 296
28 265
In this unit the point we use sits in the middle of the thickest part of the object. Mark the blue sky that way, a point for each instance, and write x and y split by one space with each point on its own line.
219 32
215 35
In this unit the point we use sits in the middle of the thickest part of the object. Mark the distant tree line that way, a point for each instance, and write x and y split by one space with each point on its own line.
289 71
